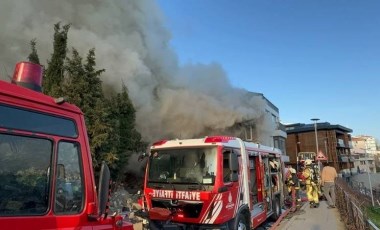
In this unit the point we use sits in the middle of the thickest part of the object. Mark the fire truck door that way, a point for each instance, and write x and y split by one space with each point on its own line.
231 178
267 183
253 176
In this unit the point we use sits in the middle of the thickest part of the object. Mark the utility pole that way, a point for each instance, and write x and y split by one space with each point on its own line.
369 177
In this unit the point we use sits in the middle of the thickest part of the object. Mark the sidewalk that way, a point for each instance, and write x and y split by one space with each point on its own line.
312 219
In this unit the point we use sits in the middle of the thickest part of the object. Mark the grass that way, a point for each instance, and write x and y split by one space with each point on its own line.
374 215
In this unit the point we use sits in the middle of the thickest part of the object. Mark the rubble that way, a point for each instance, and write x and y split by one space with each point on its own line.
121 201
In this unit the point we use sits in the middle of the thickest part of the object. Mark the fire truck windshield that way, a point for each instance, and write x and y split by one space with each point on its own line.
24 175
183 166
26 169
18 118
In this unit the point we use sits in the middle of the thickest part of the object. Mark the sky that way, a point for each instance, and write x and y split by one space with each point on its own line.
311 59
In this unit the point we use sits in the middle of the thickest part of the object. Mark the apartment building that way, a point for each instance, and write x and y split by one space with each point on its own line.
265 129
334 141
364 149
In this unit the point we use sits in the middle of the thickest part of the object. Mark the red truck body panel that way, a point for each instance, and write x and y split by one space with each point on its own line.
18 97
256 191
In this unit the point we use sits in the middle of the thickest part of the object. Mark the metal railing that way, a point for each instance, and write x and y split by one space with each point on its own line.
360 187
352 205
372 226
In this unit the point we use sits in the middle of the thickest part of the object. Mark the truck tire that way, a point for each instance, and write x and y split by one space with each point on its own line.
241 223
276 209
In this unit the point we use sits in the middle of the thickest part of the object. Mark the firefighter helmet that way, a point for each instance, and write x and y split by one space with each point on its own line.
292 170
308 162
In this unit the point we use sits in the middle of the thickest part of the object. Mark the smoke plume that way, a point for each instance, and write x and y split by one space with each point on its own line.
132 44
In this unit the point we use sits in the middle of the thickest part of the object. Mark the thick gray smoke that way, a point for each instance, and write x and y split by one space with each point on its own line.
132 44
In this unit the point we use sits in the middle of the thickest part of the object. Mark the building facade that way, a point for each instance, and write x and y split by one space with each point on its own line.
333 141
265 129
364 149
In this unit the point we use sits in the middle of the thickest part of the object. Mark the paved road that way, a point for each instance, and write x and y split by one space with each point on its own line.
313 219
306 218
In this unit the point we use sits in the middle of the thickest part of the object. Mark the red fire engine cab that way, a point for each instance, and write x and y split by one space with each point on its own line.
216 182
46 173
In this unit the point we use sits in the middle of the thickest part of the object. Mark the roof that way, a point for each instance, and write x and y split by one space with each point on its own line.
300 127
213 141
269 103
15 91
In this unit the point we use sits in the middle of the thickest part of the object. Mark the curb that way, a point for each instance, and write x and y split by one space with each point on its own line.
274 226
286 226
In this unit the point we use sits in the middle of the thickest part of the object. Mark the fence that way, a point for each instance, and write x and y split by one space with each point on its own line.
351 204
360 188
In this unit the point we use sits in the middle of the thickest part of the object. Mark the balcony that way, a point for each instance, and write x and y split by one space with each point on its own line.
340 145
345 172
344 159
354 171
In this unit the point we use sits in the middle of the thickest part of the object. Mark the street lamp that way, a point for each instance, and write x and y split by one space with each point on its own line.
327 154
315 130
316 139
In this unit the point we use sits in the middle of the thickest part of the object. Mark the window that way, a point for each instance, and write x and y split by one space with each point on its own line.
24 175
185 165
226 166
69 194
14 118
253 184
274 118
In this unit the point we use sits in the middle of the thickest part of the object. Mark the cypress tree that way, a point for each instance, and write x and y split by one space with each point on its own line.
127 139
110 122
84 88
33 56
55 71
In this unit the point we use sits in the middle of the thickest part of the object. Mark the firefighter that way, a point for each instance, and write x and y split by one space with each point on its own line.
312 186
293 187
274 167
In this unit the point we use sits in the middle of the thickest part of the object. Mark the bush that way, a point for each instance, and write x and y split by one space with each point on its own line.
374 215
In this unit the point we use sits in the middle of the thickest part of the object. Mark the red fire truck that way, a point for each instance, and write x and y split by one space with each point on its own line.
217 182
46 173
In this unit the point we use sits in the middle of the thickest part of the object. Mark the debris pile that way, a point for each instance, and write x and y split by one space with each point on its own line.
125 203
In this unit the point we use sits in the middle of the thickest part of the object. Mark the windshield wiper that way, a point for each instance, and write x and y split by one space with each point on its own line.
200 186
171 185
160 184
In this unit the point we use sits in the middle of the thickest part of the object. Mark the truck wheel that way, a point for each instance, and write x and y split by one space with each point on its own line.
241 223
276 209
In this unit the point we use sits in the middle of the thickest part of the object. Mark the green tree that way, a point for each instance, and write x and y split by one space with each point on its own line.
33 56
127 139
75 83
54 74
130 138
110 122
83 88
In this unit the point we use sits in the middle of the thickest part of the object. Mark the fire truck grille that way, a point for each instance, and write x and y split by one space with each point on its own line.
189 210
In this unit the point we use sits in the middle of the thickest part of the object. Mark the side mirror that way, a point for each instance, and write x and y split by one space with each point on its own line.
104 187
